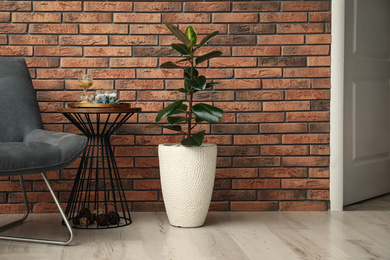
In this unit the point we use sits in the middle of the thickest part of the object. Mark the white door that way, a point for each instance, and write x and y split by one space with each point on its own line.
367 100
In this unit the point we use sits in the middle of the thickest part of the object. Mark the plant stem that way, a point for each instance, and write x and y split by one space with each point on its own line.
191 97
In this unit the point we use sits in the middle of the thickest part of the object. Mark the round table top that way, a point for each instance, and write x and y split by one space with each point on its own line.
104 110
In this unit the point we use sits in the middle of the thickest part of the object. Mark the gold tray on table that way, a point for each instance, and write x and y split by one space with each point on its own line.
98 105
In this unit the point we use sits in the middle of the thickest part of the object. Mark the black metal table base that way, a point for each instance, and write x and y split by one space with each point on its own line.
98 199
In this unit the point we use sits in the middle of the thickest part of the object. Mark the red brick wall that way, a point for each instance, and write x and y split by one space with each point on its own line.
274 73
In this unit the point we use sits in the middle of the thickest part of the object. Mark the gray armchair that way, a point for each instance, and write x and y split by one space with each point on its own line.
25 148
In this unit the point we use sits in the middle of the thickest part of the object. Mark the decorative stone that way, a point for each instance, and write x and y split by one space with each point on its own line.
114 218
83 221
102 219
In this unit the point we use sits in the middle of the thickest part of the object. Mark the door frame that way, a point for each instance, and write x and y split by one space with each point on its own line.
336 167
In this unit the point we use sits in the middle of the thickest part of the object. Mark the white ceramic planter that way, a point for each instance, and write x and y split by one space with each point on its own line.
187 180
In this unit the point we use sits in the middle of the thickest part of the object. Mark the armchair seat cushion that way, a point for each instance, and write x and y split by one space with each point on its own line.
41 151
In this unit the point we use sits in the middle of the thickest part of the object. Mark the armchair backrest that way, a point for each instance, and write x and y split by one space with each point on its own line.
19 110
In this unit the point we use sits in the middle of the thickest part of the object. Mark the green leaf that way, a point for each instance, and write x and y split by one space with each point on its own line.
168 110
199 83
169 65
186 59
180 48
207 38
187 73
173 127
211 84
176 119
207 113
208 56
179 110
179 34
195 140
191 35
182 90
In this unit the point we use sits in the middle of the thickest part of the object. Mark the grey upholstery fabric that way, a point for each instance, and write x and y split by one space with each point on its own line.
25 148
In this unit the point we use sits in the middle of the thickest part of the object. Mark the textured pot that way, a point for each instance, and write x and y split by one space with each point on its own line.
187 180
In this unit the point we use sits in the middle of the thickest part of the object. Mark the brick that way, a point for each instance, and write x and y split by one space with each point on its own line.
186 18
318 195
48 84
285 83
158 73
139 84
58 73
216 73
60 6
146 162
83 40
259 95
320 105
133 62
5 17
238 84
282 62
15 6
283 17
283 128
319 173
306 161
256 161
104 29
136 18
16 50
206 49
305 139
256 184
256 51
233 62
233 195
236 173
281 195
236 150
239 106
235 17
234 129
280 39
33 40
36 18
253 206
307 94
305 183
141 195
84 62
321 83
12 208
305 6
233 40
307 72
257 139
135 151
148 207
158 95
58 51
214 96
286 106
319 127
108 6
148 29
206 7
156 140
318 39
307 116
3 39
300 28
260 117
263 6
153 51
133 40
107 51
303 206
157 7
54 29
258 73
42 62
147 185
32 197
87 17
112 73
318 61
319 150
320 17
305 50
284 172
279 150
13 28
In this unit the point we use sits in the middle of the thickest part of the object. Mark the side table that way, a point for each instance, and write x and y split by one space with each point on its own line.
98 199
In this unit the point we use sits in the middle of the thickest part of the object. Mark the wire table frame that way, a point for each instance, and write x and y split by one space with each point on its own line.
97 199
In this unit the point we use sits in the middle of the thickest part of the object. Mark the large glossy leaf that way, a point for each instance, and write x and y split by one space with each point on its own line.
179 110
211 84
173 127
168 110
179 34
207 113
180 48
195 140
187 73
198 83
182 60
207 38
191 35
208 56
169 65
176 119
182 90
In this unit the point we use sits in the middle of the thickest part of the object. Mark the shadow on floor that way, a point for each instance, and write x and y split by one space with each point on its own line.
381 203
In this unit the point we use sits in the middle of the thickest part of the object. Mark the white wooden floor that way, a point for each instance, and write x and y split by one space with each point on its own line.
226 235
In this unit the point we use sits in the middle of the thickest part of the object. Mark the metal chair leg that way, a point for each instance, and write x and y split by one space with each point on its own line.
20 221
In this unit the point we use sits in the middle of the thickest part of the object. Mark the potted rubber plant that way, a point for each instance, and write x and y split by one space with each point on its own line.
187 170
